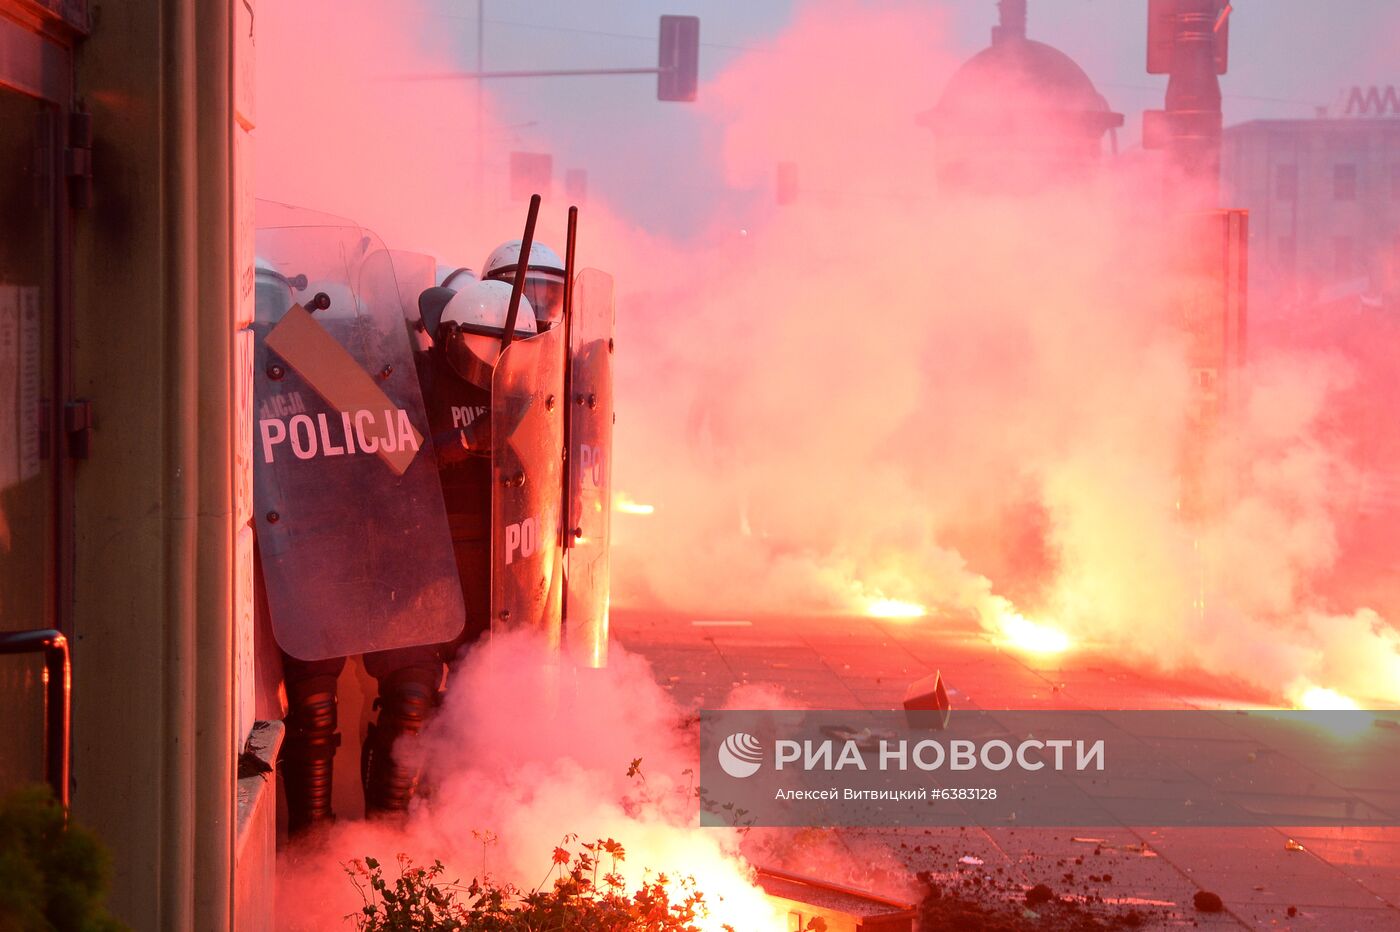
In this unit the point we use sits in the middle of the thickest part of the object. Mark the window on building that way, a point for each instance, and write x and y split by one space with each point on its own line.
1344 257
1344 182
1286 182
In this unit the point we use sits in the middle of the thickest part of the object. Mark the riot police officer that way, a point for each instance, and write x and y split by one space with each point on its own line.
544 278
342 495
457 392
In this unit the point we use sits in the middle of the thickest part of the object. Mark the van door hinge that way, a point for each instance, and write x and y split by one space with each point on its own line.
78 157
77 423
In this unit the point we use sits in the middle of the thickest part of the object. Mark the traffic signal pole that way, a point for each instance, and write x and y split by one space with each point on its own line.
558 73
1189 41
677 67
1193 97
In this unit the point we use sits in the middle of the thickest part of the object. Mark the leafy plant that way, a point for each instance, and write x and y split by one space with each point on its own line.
583 890
53 873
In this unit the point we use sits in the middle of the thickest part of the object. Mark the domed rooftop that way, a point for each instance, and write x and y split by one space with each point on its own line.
1019 80
1022 74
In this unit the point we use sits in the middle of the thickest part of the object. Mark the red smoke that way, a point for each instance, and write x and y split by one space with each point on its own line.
901 388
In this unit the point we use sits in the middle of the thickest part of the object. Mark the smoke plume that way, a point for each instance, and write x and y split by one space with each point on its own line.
521 754
971 397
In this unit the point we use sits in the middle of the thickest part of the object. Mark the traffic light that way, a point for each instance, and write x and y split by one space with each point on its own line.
1161 31
679 58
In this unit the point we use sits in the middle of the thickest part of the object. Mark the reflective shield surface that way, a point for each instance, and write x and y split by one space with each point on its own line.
350 522
587 529
527 426
413 272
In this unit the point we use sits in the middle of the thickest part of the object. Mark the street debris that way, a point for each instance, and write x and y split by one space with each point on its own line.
1208 902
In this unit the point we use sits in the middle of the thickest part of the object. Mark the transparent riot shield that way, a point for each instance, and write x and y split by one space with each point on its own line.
351 529
413 271
527 457
589 501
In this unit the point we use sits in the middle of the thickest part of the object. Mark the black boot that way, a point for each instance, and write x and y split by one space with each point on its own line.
406 698
308 754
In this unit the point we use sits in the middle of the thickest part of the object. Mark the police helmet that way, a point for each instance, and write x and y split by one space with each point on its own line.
544 277
472 326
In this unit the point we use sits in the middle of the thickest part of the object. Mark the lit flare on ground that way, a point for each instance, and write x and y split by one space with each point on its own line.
894 608
1021 633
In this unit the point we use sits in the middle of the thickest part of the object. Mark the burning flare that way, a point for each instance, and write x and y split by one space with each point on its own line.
1320 699
894 608
1019 632
622 502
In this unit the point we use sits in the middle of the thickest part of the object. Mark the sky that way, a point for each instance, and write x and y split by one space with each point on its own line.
1287 58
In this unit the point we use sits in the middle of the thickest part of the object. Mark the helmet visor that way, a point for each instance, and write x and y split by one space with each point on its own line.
472 355
546 296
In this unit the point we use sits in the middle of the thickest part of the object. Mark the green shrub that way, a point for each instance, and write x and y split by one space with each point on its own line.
573 896
53 873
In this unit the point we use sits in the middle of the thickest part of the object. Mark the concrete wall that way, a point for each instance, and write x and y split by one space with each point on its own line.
154 295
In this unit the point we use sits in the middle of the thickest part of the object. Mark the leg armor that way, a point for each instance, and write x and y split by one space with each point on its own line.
407 697
308 754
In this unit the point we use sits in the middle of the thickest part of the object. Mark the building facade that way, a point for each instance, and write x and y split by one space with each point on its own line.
1323 197
125 283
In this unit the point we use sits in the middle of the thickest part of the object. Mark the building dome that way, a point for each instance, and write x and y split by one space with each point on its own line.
1019 76
1018 113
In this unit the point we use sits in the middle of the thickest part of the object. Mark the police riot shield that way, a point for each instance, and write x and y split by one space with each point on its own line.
413 272
527 460
589 467
350 523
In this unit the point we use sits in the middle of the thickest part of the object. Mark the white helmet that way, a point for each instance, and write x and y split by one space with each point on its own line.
544 277
473 323
273 295
455 277
272 292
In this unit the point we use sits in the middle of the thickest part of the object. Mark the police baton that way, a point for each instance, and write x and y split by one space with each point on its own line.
521 265
571 533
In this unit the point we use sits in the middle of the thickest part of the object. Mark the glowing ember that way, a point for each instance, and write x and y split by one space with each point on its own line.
1023 634
894 608
623 503
1318 699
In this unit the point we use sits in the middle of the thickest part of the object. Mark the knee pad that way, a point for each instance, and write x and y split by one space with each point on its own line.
308 753
407 698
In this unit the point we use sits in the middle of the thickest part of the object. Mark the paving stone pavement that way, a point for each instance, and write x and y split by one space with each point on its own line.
1343 879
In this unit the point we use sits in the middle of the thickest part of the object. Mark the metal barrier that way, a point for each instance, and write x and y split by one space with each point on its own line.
58 684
